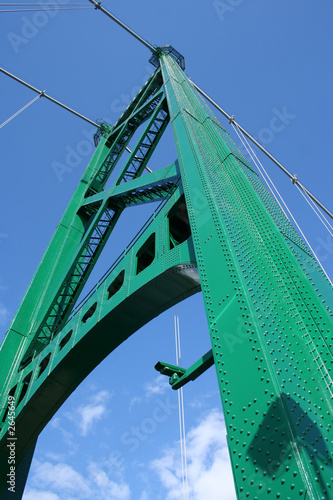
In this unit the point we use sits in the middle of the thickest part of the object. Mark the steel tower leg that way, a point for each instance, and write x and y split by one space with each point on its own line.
267 308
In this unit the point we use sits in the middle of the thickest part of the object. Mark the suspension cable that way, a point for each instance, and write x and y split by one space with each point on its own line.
320 215
130 151
45 8
43 94
13 4
98 6
20 111
293 178
181 411
271 186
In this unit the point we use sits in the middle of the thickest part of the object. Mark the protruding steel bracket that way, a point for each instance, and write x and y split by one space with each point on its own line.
180 376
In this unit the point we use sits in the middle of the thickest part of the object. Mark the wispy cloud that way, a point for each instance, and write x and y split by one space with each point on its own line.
61 478
86 415
32 494
4 315
208 463
135 401
56 457
108 487
66 435
203 400
156 387
51 481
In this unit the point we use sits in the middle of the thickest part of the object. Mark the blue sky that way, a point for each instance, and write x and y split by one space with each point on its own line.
117 436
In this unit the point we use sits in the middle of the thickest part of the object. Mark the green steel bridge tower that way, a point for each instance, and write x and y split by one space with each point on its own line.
217 230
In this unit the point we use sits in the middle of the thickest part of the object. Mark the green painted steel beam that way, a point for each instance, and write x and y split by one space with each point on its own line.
268 308
142 111
120 311
180 376
169 370
146 145
126 193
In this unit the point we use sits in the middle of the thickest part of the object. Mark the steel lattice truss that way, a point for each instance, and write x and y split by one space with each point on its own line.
217 230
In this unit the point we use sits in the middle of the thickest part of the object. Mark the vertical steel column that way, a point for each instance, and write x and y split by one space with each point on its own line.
270 328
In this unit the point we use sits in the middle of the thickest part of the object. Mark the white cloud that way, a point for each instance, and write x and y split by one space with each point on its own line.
4 315
89 414
134 401
157 387
202 400
60 477
85 416
60 481
32 494
209 470
67 436
108 488
56 457
101 396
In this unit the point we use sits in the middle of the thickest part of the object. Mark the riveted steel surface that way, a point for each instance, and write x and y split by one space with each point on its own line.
267 305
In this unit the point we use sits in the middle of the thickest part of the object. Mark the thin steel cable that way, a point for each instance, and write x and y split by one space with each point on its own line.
259 146
320 216
253 156
185 485
43 94
317 355
176 337
248 148
181 442
146 167
20 111
175 314
14 4
123 25
184 441
46 9
181 410
270 184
